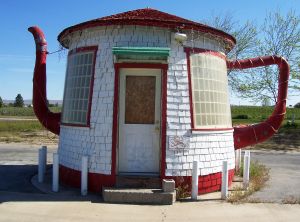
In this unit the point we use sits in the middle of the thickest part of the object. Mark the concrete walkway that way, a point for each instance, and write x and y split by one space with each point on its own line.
192 211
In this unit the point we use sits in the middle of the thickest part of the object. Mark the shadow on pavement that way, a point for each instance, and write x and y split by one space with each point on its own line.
16 184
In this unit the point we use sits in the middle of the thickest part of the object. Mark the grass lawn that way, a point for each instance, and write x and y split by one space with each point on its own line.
28 131
287 137
22 111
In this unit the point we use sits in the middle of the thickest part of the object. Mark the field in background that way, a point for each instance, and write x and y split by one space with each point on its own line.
32 131
254 114
22 112
239 113
26 129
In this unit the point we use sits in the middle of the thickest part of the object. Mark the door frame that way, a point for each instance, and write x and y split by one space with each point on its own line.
115 130
157 74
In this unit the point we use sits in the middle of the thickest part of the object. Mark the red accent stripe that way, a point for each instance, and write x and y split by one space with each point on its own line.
190 87
213 129
164 123
206 51
206 184
96 181
115 123
83 49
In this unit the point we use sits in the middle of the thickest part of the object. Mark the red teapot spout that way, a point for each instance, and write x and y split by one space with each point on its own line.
248 135
49 120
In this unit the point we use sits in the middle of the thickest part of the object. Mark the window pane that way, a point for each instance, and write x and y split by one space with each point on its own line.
77 88
209 87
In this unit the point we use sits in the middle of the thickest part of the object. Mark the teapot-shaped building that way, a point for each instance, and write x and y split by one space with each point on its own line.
146 94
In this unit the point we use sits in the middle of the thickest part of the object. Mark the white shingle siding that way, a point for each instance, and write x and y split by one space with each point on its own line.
210 148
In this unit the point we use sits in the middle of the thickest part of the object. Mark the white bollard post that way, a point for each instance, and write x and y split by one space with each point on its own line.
55 173
84 175
238 159
44 158
224 188
246 172
195 174
40 167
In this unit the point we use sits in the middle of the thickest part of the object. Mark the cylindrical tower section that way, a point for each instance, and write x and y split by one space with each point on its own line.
136 81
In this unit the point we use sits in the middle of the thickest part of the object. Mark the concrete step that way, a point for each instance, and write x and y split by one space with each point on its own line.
138 182
138 196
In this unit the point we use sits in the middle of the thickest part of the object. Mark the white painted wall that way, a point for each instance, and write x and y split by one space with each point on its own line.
210 149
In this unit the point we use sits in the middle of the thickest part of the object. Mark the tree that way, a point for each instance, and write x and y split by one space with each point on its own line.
266 102
19 102
1 102
278 35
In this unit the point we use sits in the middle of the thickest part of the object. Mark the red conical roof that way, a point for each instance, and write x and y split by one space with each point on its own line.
149 17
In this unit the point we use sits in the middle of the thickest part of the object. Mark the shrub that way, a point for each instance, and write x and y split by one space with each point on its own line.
241 116
290 124
259 175
183 189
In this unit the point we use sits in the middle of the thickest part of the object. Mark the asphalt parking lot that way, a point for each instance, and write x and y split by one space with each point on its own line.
18 163
284 183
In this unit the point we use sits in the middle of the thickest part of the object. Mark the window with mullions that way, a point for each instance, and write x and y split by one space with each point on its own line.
211 107
78 88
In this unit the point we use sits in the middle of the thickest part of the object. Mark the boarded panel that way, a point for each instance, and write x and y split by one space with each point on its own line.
140 100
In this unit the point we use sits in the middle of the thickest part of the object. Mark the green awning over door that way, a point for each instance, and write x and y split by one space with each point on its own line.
141 53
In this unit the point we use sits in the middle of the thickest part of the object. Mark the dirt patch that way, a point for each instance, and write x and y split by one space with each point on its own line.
288 140
43 137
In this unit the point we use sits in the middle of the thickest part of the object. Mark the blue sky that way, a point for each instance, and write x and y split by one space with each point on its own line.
17 51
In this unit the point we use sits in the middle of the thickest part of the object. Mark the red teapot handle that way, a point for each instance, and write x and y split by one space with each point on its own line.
248 135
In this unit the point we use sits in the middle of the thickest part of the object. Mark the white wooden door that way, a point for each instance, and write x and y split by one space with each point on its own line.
139 121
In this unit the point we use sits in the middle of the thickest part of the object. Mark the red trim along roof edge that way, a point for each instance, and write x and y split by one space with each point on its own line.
148 17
